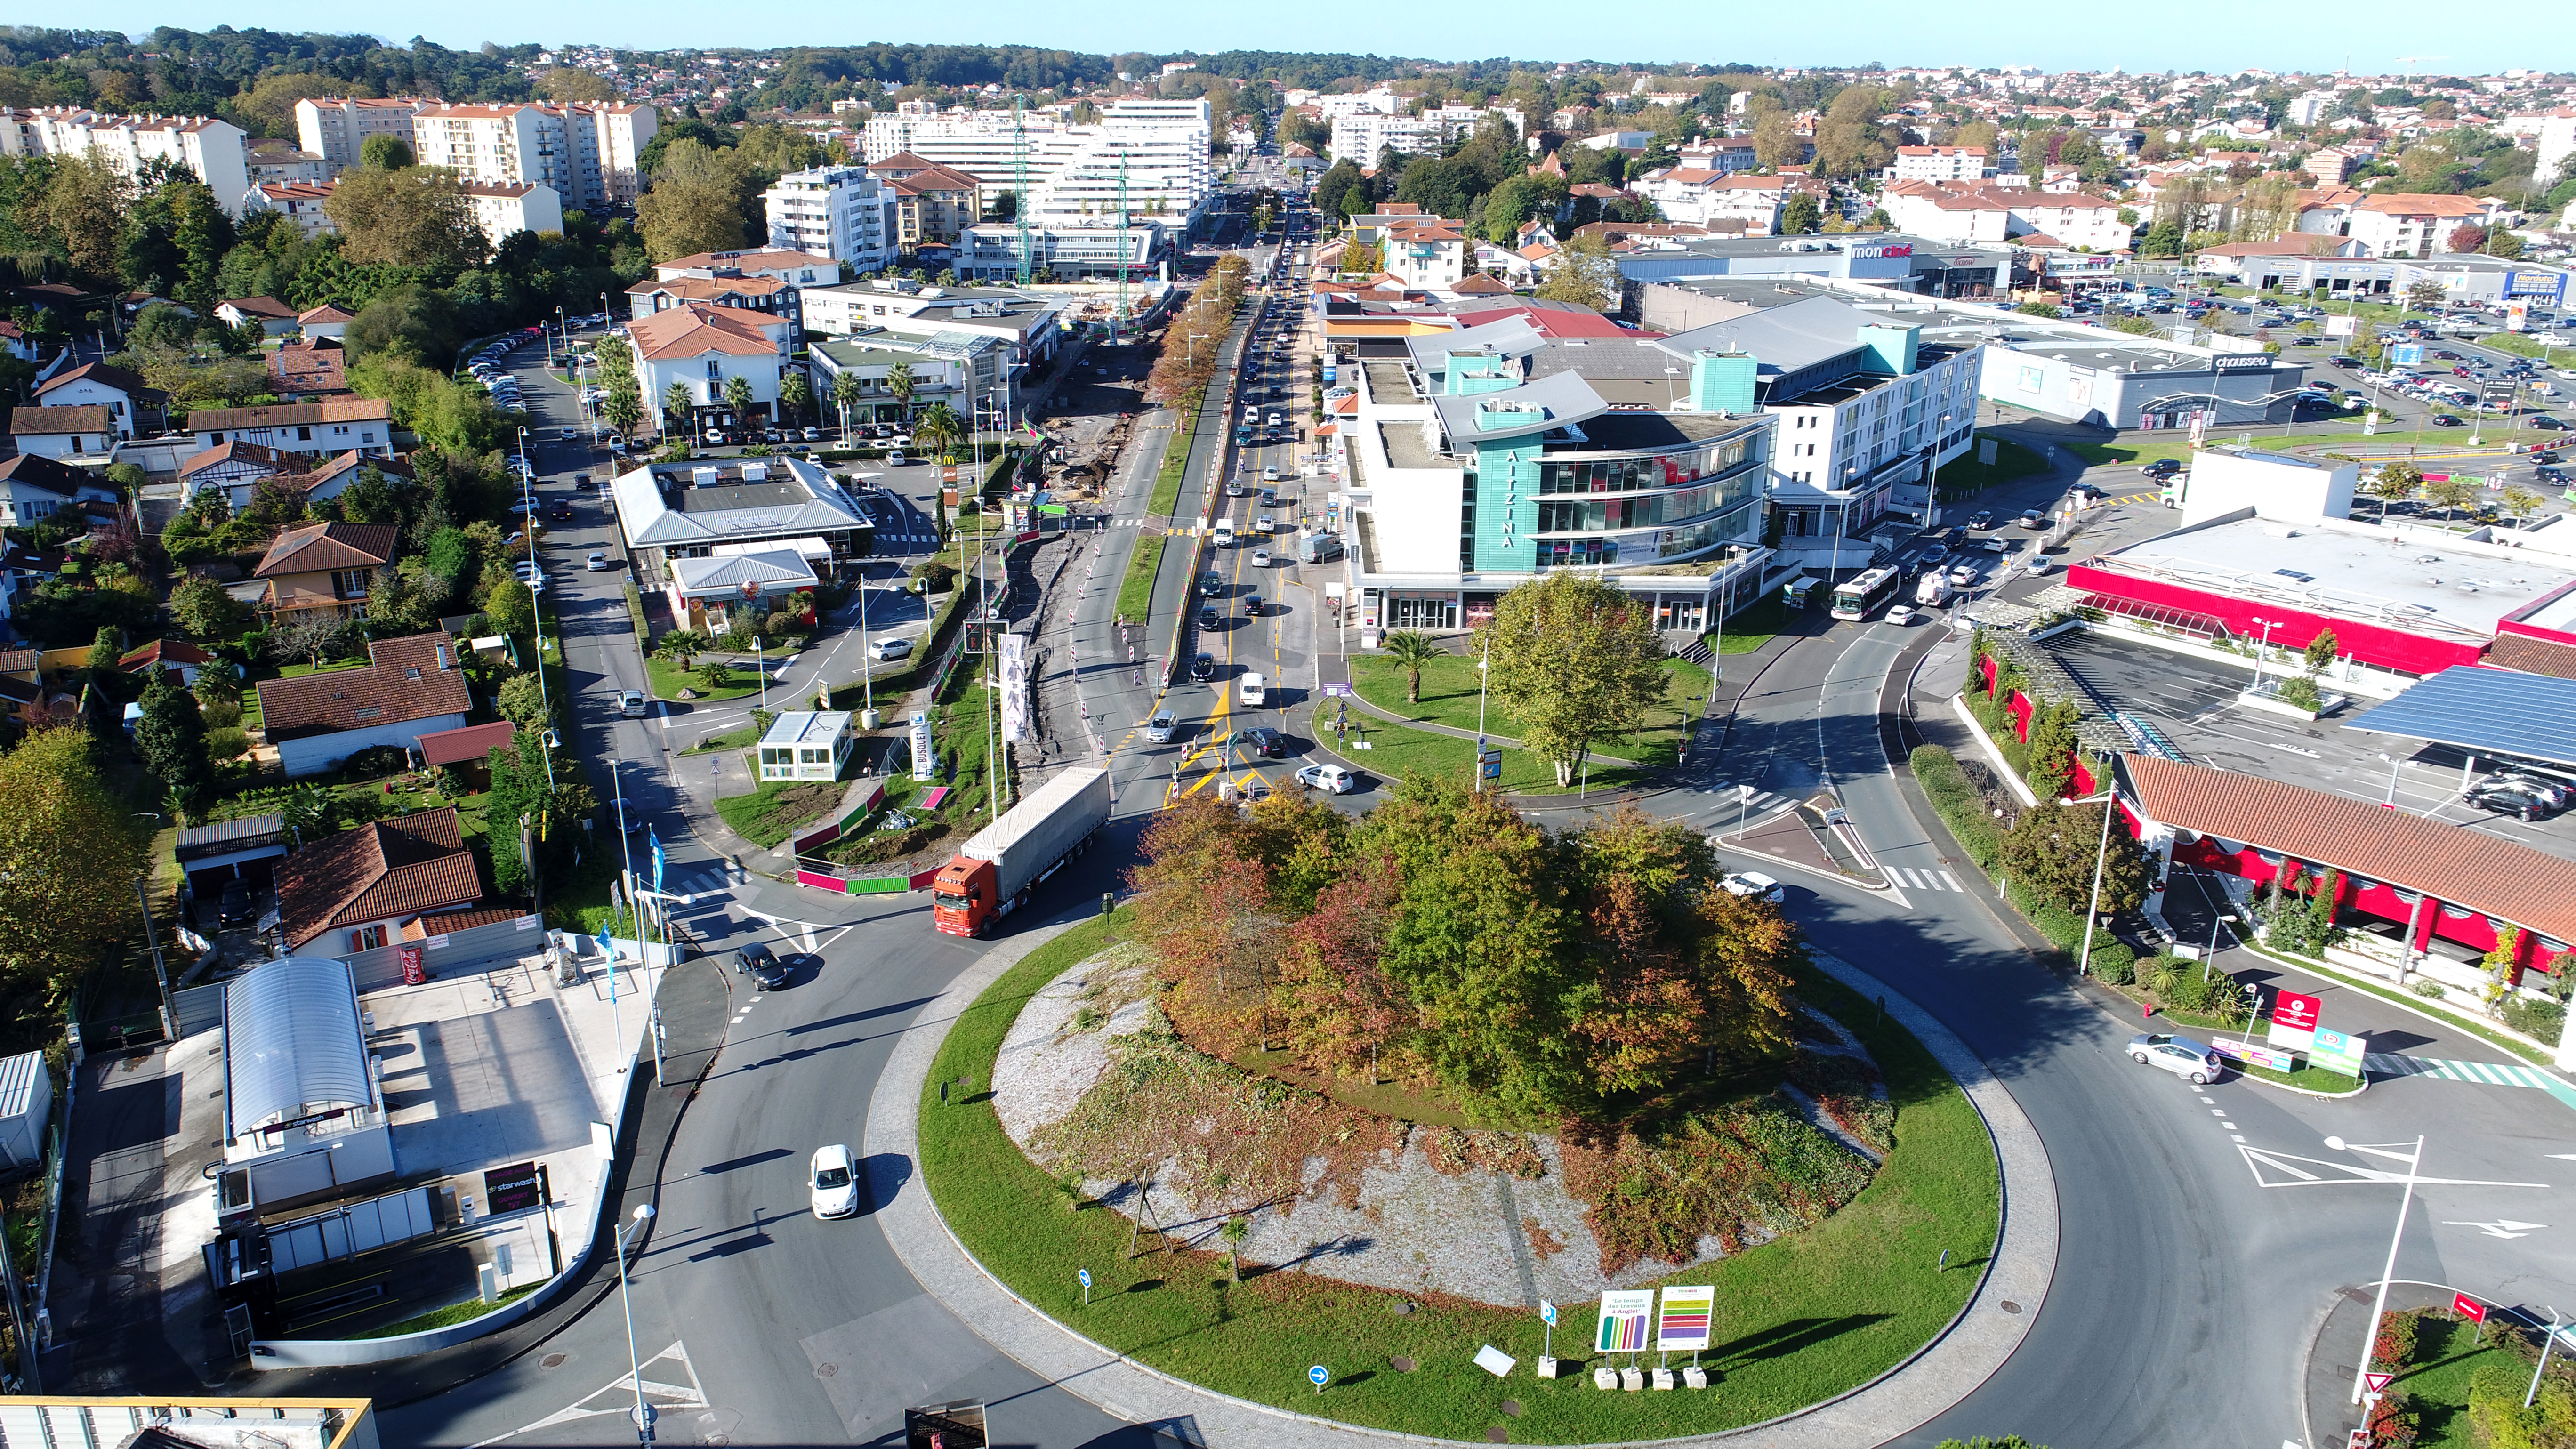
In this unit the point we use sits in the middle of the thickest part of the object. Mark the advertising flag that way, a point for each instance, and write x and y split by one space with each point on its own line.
656 842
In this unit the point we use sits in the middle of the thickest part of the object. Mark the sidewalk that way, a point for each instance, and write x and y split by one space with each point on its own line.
1987 1331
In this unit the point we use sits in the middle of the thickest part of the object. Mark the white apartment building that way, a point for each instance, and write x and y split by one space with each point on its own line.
2556 141
839 212
1694 197
1955 212
1360 135
301 201
212 150
1941 163
586 153
504 210
1074 171
1378 102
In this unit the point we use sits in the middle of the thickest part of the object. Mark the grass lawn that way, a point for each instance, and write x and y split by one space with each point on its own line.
741 739
668 679
1800 1319
1396 752
767 814
1753 626
1176 461
1449 698
1136 589
1966 475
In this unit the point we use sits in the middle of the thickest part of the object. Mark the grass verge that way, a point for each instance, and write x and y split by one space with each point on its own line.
1398 752
1136 589
1799 1320
766 815
450 1316
1754 626
1449 697
1176 457
1966 475
668 679
2448 1359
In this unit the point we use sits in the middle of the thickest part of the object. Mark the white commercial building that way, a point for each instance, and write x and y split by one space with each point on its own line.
840 212
213 150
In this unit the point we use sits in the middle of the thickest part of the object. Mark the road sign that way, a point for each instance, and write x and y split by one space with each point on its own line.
2373 1383
1319 1376
1547 1313
1085 1275
2468 1308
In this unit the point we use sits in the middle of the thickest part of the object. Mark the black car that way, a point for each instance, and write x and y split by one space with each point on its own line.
2443 420
236 907
761 964
1981 520
2341 360
1262 741
1203 667
2508 802
2162 468
1210 617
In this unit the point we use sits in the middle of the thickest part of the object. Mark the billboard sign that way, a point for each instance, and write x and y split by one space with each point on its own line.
2240 362
2294 1022
2406 354
1625 1312
2340 1052
922 763
1686 1318
2344 326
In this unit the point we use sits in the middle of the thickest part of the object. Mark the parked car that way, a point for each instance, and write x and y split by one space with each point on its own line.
833 1181
1158 730
236 906
889 649
2556 792
1754 883
2505 800
761 964
2179 1055
1331 779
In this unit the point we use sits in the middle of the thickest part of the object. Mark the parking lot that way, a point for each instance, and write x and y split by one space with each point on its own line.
2193 702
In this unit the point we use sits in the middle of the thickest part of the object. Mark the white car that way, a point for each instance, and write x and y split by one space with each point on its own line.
2038 564
1753 883
531 575
1261 558
1331 779
1901 614
886 650
834 1180
1265 525
631 703
2179 1055
1269 475
597 562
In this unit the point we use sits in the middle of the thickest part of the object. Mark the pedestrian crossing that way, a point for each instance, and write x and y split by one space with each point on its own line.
1762 802
1923 880
2493 1074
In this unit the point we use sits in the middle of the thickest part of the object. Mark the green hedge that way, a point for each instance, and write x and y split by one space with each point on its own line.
1958 804
635 613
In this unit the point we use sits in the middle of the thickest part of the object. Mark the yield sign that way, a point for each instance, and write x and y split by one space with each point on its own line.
2376 1382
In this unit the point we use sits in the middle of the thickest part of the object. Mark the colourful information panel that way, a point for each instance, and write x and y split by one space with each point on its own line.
1625 1315
2340 1051
1686 1316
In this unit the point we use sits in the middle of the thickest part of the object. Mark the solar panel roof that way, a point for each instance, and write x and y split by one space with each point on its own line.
2485 711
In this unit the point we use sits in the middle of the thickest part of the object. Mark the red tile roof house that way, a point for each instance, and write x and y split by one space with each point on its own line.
410 688
359 889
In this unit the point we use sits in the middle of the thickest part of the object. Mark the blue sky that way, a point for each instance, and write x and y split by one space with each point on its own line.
2372 35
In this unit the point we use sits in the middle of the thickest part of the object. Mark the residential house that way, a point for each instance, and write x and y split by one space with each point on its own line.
702 349
133 405
86 431
468 750
310 370
794 270
358 889
753 294
34 487
334 425
1430 253
274 317
327 480
234 469
280 161
503 209
410 687
324 566
175 661
325 321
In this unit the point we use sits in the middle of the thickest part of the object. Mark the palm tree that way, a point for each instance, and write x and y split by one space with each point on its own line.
737 396
899 382
845 395
794 394
1411 649
677 404
623 410
937 428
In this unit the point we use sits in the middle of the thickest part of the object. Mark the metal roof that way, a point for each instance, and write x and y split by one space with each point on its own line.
2485 711
18 1078
227 836
293 1043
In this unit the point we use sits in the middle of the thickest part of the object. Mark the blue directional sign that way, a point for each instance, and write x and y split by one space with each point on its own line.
1319 1375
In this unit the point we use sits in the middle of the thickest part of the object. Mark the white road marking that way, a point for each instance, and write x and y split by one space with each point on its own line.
618 1396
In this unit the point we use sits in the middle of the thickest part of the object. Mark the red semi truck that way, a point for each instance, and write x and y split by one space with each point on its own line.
993 874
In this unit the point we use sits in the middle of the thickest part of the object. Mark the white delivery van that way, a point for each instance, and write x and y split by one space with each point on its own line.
1225 533
1249 690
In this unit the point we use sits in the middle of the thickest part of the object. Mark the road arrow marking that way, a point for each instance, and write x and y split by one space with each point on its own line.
2501 1228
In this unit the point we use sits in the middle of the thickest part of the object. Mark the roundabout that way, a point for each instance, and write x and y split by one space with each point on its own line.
1848 1331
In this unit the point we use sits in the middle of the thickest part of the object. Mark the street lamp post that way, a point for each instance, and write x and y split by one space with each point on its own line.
2110 803
2393 764
2414 1162
634 1365
2264 650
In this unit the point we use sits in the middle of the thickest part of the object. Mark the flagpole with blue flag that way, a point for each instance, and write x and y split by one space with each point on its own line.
656 842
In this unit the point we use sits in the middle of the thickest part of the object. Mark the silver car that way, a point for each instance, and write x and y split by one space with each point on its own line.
2180 1055
1158 730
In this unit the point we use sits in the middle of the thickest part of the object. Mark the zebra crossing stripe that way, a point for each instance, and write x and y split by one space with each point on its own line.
2490 1074
1952 882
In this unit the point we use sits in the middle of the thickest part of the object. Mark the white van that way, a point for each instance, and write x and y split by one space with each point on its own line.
1225 534
1250 691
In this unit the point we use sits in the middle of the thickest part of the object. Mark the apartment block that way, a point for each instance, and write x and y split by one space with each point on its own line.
933 203
301 201
1155 150
212 150
1941 163
841 212
504 209
1359 136
586 153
